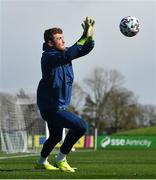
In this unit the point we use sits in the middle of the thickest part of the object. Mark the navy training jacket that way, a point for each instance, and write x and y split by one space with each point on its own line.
54 89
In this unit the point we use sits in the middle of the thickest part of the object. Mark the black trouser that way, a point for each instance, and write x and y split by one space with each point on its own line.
56 122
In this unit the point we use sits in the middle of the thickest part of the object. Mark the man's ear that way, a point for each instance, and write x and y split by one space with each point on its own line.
50 43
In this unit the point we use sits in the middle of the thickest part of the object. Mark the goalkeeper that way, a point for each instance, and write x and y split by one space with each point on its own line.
54 93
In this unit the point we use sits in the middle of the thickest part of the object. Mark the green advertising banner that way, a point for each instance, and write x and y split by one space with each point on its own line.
117 142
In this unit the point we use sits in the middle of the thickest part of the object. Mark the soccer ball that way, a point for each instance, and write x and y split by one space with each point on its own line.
129 26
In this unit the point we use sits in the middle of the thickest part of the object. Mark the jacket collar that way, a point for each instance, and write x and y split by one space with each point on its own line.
46 47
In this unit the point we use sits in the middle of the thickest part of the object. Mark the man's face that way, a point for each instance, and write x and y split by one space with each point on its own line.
58 42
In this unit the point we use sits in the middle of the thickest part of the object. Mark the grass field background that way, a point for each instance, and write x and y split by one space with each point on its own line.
140 131
104 164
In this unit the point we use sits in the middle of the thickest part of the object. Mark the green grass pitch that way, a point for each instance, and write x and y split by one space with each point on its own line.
102 164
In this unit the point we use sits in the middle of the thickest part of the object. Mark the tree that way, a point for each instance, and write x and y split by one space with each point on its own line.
22 94
101 83
77 99
122 109
147 116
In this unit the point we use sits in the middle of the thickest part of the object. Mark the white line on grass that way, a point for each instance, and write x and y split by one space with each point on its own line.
28 155
18 156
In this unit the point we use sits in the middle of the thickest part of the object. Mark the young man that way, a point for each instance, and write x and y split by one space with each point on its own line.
54 93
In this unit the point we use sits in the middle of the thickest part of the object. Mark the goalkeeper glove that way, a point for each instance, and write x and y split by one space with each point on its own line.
88 32
87 26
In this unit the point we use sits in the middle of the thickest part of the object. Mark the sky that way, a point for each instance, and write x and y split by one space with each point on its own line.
22 24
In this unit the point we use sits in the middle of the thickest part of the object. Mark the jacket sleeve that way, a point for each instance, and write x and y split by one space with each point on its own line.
86 48
59 58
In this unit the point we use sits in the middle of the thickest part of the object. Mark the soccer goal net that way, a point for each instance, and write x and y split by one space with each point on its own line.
20 124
